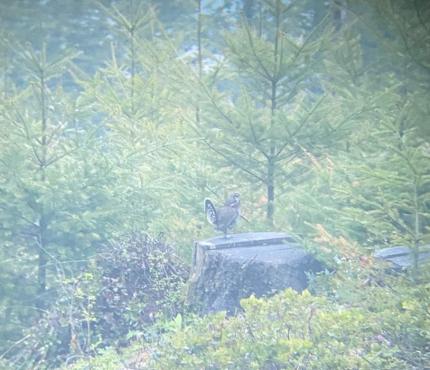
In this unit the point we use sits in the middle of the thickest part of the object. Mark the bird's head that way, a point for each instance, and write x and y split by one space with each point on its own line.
233 200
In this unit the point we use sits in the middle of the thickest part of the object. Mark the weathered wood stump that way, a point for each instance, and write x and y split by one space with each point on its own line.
401 258
226 270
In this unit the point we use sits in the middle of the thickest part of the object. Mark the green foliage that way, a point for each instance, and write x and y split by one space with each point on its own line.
320 110
49 194
266 104
303 331
143 280
132 282
398 304
108 359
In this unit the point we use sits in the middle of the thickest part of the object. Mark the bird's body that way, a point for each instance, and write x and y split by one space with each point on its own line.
225 217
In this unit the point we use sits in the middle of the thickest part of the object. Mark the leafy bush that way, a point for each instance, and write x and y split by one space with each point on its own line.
303 331
142 280
131 282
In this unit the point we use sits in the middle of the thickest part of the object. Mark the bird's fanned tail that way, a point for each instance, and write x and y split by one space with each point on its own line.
210 212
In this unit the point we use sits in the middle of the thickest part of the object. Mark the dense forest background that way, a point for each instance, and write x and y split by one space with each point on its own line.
118 117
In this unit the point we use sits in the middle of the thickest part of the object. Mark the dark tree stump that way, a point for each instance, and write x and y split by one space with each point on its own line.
226 270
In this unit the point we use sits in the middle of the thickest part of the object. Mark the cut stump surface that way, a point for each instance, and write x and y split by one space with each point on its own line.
225 270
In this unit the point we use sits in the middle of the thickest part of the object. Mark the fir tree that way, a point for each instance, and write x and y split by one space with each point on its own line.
51 186
267 108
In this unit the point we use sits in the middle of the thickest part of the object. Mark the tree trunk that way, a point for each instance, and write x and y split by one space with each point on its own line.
248 10
270 190
199 52
338 14
42 261
42 256
273 108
